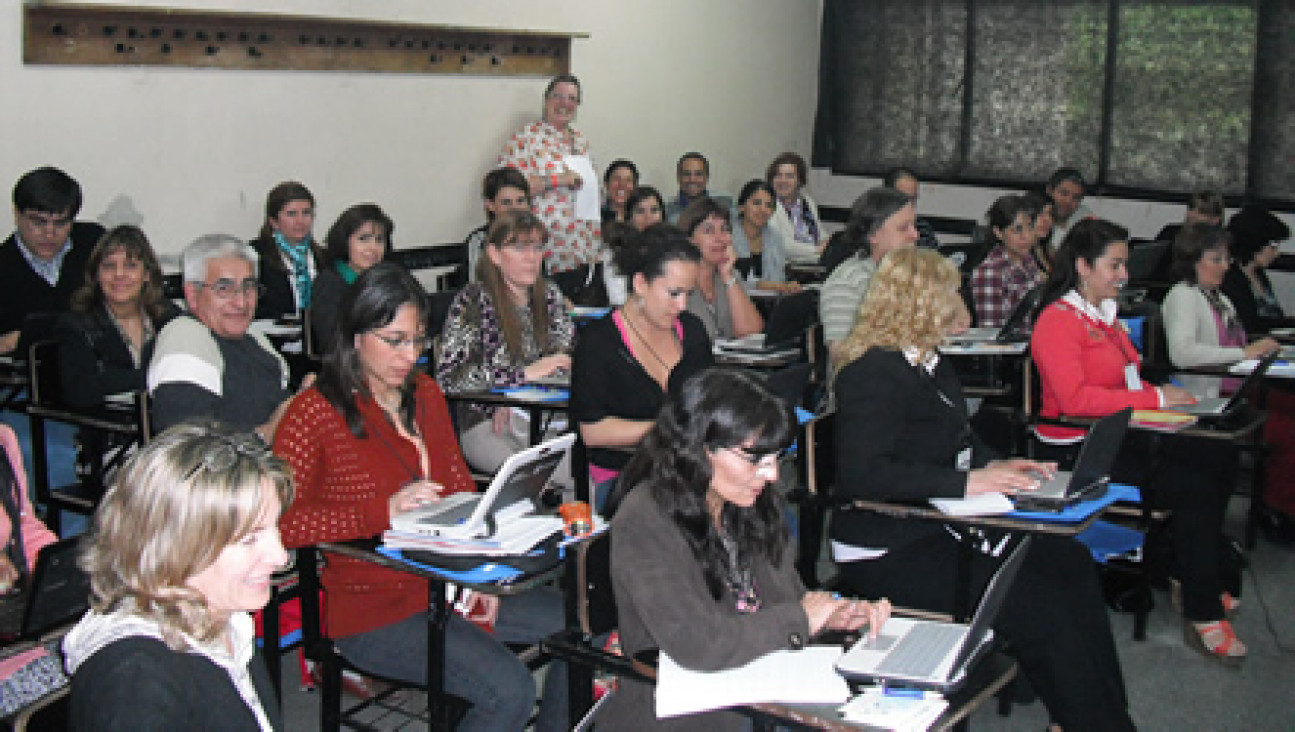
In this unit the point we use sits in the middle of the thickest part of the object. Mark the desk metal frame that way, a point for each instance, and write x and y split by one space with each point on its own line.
439 607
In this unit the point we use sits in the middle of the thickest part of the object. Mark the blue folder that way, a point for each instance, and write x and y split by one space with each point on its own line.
1082 510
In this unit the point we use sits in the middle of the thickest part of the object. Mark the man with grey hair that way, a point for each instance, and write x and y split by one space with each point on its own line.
206 363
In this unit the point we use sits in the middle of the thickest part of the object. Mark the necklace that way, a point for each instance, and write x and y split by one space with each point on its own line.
644 341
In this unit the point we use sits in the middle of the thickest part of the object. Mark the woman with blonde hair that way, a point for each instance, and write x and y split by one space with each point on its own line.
182 549
903 437
509 327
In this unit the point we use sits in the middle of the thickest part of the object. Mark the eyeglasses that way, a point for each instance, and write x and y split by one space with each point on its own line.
769 460
225 289
568 98
45 221
225 454
418 343
526 247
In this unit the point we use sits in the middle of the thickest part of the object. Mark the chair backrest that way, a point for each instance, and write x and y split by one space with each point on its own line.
595 600
44 387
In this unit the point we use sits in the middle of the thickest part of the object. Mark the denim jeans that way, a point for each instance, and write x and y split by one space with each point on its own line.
478 667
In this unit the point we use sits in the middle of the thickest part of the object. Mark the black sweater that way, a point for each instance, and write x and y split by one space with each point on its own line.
139 684
26 292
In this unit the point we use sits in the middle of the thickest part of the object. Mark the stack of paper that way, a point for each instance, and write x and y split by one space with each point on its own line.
1282 367
983 504
806 676
1161 420
902 713
516 536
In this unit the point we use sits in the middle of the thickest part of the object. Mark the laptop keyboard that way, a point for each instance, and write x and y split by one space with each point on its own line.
451 509
921 651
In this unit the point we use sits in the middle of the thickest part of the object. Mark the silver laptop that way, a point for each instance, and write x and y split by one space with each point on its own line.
515 491
1092 471
925 654
1223 406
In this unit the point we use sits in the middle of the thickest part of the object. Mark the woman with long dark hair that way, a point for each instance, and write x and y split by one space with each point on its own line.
627 361
761 251
701 563
359 239
1088 367
508 327
113 318
372 438
289 256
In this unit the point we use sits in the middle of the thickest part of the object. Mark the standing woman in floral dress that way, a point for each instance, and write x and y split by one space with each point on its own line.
541 151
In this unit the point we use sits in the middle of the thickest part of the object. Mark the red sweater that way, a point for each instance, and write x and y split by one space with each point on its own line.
343 485
1081 368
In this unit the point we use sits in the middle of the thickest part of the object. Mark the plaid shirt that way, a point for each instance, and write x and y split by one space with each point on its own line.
998 284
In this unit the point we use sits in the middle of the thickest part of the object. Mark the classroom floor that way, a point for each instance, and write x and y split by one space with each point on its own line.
1170 686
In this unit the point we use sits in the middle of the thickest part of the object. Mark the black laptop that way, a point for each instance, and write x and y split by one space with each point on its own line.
1092 471
56 593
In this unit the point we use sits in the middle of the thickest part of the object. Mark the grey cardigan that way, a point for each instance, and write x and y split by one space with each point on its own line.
663 603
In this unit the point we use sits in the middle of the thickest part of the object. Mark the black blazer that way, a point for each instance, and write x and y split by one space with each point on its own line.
94 360
898 435
278 299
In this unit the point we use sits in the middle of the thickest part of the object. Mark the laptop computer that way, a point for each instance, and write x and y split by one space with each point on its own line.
1016 329
1092 471
1223 406
515 491
1146 259
926 654
56 593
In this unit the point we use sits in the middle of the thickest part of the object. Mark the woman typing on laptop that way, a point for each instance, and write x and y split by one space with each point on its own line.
372 438
903 436
1201 324
1088 367
507 328
701 561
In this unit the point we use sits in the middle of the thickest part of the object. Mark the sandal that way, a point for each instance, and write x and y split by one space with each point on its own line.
1215 640
1230 604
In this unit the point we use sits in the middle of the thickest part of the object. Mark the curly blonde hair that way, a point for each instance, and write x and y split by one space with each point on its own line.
911 303
173 507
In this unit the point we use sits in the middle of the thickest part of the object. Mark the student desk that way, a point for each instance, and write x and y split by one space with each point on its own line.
1070 522
1244 429
986 679
537 401
439 606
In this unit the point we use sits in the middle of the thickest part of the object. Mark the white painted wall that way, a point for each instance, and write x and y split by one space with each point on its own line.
184 152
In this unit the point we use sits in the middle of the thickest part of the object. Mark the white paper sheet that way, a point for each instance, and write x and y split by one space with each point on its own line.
983 504
588 207
806 676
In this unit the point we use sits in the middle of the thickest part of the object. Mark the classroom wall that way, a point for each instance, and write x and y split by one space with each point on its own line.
184 152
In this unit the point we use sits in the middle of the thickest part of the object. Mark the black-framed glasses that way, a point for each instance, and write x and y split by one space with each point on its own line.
762 459
39 220
227 289
418 343
226 452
